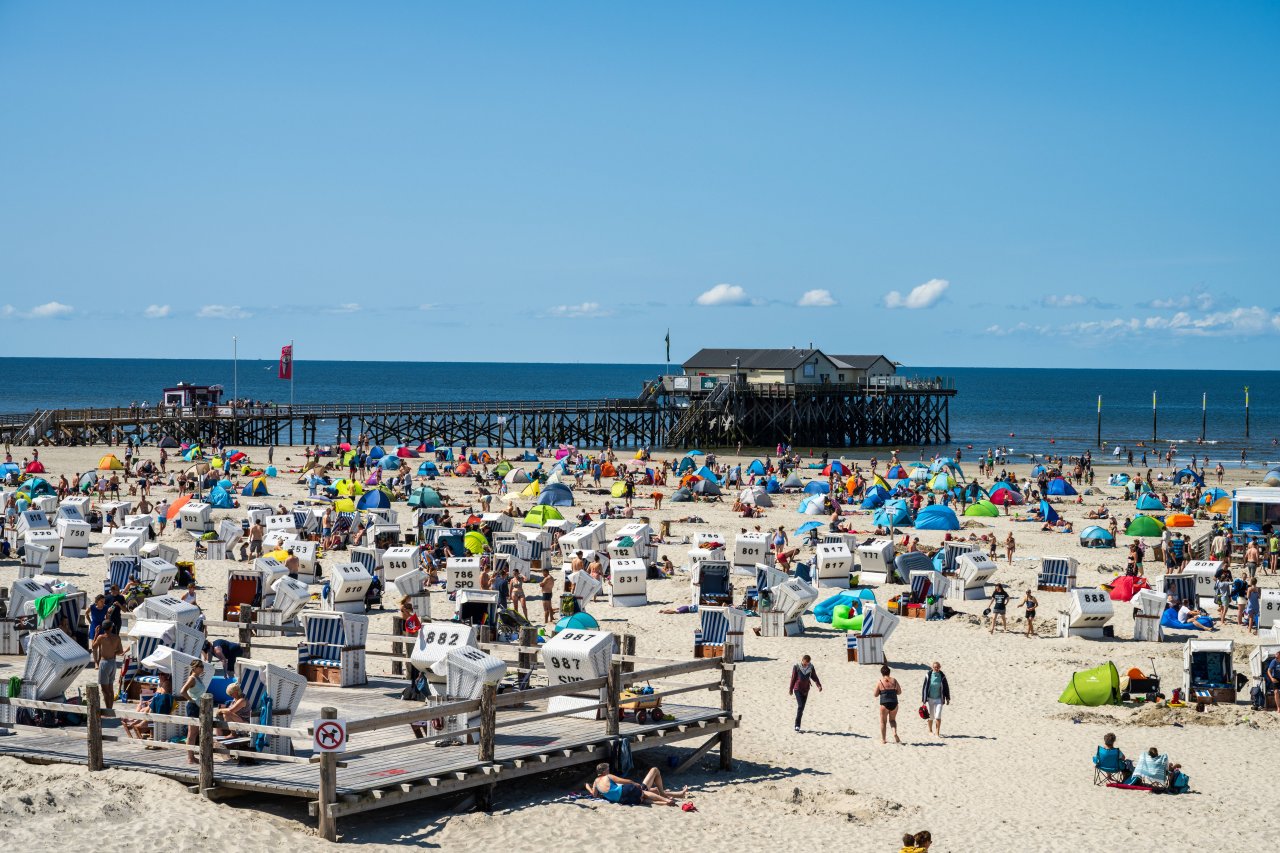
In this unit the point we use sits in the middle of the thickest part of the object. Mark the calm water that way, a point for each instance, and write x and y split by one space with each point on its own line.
1036 405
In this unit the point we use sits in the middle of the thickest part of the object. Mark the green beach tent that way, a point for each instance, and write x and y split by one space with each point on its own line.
425 497
983 509
618 489
540 515
1144 525
1093 687
474 542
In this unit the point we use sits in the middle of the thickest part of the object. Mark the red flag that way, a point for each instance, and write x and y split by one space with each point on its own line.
286 362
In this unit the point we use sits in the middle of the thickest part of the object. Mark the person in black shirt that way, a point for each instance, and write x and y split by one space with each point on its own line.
999 605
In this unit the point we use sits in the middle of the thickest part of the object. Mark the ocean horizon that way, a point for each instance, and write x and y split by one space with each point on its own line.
1030 409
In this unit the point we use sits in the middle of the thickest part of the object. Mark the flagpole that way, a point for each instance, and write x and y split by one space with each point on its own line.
235 370
293 363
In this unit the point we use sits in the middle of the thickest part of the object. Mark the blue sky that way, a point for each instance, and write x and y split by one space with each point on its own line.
566 181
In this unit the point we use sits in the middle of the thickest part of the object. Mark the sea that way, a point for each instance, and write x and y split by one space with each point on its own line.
1027 410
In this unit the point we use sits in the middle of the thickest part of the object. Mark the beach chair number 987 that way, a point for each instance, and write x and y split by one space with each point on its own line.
563 663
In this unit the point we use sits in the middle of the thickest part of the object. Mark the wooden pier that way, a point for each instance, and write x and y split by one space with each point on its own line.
826 415
387 762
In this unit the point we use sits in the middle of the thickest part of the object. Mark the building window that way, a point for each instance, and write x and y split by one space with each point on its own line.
841 375
810 370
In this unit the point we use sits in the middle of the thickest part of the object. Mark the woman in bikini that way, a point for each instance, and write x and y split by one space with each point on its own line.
1030 603
887 690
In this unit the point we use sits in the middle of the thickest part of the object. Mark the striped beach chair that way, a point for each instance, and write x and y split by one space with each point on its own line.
333 651
719 627
120 571
178 666
275 691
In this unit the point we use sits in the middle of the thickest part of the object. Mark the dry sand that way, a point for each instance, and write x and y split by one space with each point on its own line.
1013 772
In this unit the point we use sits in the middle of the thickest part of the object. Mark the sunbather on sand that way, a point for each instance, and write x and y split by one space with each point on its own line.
616 789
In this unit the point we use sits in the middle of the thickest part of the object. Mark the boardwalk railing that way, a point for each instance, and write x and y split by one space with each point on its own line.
477 773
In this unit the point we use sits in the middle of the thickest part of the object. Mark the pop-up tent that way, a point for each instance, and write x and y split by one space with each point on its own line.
982 509
897 472
1093 687
1059 487
618 489
474 542
255 487
793 481
999 497
377 453
756 467
374 498
1047 512
220 499
424 497
556 494
428 469
893 514
817 487
1097 537
35 466
109 462
37 487
1188 475
1150 503
1144 525
1125 587
937 517
540 515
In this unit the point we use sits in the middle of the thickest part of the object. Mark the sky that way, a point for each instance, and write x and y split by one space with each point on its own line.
976 184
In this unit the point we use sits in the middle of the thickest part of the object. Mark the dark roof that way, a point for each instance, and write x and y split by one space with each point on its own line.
750 359
858 362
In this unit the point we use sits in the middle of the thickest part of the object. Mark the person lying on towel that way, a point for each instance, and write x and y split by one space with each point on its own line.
616 789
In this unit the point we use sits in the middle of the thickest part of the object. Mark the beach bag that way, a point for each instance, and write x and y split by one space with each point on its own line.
924 712
621 758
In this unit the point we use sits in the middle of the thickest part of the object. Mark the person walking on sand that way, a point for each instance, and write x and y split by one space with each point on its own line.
886 692
1009 547
802 675
1030 603
934 693
107 648
999 604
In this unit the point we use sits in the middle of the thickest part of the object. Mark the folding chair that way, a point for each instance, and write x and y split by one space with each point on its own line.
1108 767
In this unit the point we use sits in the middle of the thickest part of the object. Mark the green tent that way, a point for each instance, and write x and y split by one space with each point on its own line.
618 489
983 508
540 515
1144 525
424 497
475 542
1093 687
503 467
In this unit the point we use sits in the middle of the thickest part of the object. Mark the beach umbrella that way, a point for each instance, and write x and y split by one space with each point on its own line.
1144 525
807 526
1272 478
1179 519
982 509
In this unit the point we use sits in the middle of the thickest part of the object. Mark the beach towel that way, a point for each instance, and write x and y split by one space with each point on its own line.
260 741
47 605
1153 771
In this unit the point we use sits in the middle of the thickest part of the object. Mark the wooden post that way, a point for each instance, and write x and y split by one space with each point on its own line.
93 699
726 705
246 632
613 687
629 650
528 655
206 745
488 731
397 628
328 785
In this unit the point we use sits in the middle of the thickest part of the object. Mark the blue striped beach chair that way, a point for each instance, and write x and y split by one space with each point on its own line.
120 571
333 651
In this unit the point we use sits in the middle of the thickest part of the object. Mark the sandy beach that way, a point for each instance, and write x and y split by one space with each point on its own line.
1012 773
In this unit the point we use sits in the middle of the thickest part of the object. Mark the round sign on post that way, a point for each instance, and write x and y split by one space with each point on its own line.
330 735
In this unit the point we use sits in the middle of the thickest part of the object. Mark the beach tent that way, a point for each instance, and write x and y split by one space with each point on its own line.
1093 687
707 474
1038 470
219 498
618 489
540 515
1047 512
515 475
1125 587
812 505
167 442
1144 525
756 467
485 457
817 487
503 468
348 488
874 498
706 487
374 499
1150 503
428 469
462 470
1188 475
255 487
377 453
773 487
532 490
35 466
793 481
1272 478
109 462
191 454
1059 487
999 496
942 482
407 452
835 466
1179 519
1097 537
982 509
474 542
681 496
271 471
688 463
389 463
556 494
225 484
1145 487
1212 495
607 470
528 456
893 514
1118 479
344 505
919 475
424 497
580 621
937 517
897 472
87 481
755 496
7 468
37 487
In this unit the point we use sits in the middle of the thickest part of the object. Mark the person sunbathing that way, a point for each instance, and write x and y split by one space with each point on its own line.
1100 512
616 789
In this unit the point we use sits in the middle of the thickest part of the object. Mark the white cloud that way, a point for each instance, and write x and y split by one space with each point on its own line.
1199 300
428 306
7 310
223 312
345 308
724 294
817 299
584 309
48 310
1238 322
921 296
155 312
1067 300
